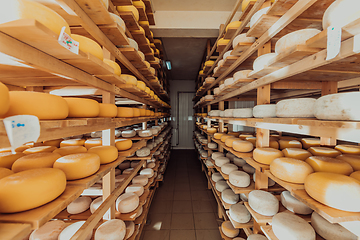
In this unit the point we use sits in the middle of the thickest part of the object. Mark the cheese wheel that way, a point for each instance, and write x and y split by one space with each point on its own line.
242 146
287 226
334 190
124 165
22 148
239 162
223 41
290 169
118 20
219 161
80 165
141 180
4 99
79 205
263 203
263 61
135 188
125 112
72 142
274 144
228 229
143 152
243 113
114 66
37 160
264 111
127 202
214 113
49 231
243 136
107 110
296 108
289 144
296 153
330 231
93 142
54 142
239 179
107 154
130 79
258 15
245 3
42 105
292 39
128 171
208 163
225 136
148 172
212 145
30 189
243 74
221 185
130 229
227 54
341 13
353 160
328 164
242 38
128 134
235 134
257 237
8 158
88 45
39 149
228 112
310 142
234 24
70 231
82 107
95 204
248 168
324 151
294 205
138 213
355 175
129 8
66 150
348 149
216 177
141 85
4 172
229 196
145 133
211 130
113 229
266 155
218 135
227 168
239 213
123 144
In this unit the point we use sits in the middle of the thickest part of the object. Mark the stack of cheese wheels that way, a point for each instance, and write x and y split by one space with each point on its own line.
123 144
324 151
88 45
82 107
328 164
334 190
48 231
239 213
70 231
127 202
80 165
289 226
296 108
44 184
107 154
70 150
111 229
4 99
290 169
228 229
36 160
129 8
297 153
264 111
263 203
295 38
7 159
266 155
294 205
79 205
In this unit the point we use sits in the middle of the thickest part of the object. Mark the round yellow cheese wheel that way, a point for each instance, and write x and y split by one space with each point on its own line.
30 189
129 8
80 165
147 90
36 160
130 79
144 23
151 93
139 3
125 112
148 112
67 150
266 155
107 110
147 64
328 164
4 172
142 112
223 41
224 137
235 134
107 154
88 45
218 135
141 85
252 140
209 63
39 149
72 142
141 30
310 142
242 146
114 65
353 160
355 175
243 136
229 141
4 99
123 144
22 148
334 190
274 144
136 112
234 24
290 169
348 149
42 105
92 142
211 130
324 151
152 70
82 107
245 3
297 153
289 144
54 142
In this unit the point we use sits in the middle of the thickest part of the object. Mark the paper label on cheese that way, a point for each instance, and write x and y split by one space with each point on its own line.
333 42
22 129
67 42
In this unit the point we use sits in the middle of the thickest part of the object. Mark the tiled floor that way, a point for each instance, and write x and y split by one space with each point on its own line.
183 208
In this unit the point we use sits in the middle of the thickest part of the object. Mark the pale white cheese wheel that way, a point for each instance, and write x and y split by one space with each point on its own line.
243 197
228 81
292 39
79 205
215 155
243 113
141 209
227 168
288 226
124 165
248 168
270 181
294 205
214 113
338 106
142 55
203 153
141 180
228 229
127 202
118 20
113 229
239 162
135 188
258 15
212 145
215 70
221 161
265 111
130 229
151 165
239 179
70 230
128 171
221 185
228 113
263 203
220 63
95 204
227 54
256 237
263 61
229 196
242 38
221 87
209 163
243 74
144 133
209 97
117 172
209 80
150 145
296 108
216 177
143 152
128 133
49 231
230 156
216 92
330 231
147 172
239 213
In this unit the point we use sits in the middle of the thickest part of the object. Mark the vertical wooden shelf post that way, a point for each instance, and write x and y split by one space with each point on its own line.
328 87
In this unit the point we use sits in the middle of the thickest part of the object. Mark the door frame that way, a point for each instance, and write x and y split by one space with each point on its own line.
177 114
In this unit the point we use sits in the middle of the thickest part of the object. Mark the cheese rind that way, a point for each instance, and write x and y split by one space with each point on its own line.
93 142
107 110
356 175
125 112
113 229
216 177
79 205
239 213
37 160
229 196
296 153
107 154
228 168
72 142
324 151
242 146
7 159
289 144
239 179
82 107
290 169
327 164
123 144
221 185
127 202
129 8
294 205
266 155
310 142
49 231
221 161
243 113
228 229
348 149
264 111
66 150
296 108
263 203
4 172
292 39
263 61
88 45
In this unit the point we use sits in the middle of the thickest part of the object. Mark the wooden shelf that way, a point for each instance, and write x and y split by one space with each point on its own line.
267 230
288 186
249 224
14 230
238 190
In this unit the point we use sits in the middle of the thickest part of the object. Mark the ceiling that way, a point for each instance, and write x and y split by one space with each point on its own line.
185 27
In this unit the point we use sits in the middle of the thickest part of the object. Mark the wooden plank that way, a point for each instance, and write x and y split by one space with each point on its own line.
149 57
142 13
296 85
96 10
130 21
288 186
13 231
280 7
151 18
258 166
240 48
238 190
39 81
230 32
122 2
247 10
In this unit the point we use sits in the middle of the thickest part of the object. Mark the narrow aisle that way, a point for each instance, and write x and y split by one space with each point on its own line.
183 208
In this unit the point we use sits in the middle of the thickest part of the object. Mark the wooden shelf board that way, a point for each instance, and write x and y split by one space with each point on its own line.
288 186
249 224
247 10
238 190
230 32
133 56
128 216
149 57
151 18
267 230
240 48
142 13
96 11
122 2
260 219
280 7
143 198
220 48
130 21
148 5
14 230
223 236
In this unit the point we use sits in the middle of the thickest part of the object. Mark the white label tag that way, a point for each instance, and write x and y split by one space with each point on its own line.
22 129
356 44
67 42
333 42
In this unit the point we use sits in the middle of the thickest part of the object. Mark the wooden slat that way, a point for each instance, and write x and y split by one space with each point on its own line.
122 2
142 13
130 21
280 7
288 186
96 11
12 231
